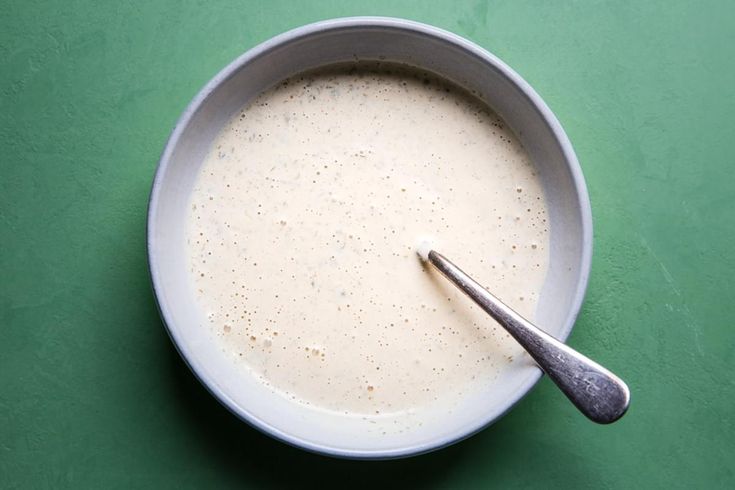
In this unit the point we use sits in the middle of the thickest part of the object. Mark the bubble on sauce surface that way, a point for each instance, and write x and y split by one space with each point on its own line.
425 245
304 221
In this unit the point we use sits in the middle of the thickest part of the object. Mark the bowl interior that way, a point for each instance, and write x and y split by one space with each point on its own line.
338 41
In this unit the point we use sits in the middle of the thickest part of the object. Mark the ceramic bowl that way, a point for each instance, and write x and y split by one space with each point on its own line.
324 43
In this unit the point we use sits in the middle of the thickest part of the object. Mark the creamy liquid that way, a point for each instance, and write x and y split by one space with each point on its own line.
304 225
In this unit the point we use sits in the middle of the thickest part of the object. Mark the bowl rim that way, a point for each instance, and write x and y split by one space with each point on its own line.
361 22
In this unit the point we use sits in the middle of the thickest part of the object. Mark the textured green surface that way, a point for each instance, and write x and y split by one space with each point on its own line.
92 392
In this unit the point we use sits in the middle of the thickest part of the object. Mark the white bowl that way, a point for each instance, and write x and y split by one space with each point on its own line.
329 42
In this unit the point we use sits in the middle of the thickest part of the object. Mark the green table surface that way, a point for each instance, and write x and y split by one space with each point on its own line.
92 392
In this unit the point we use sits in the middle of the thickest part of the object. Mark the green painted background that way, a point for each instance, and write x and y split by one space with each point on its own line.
92 394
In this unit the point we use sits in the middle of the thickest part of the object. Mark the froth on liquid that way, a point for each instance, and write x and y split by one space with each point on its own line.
303 230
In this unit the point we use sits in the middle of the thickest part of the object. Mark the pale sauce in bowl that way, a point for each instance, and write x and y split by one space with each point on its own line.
302 231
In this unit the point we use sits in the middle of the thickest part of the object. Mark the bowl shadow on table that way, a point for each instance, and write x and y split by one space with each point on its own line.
244 452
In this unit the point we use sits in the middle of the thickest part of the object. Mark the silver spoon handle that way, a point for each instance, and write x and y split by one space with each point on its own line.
595 391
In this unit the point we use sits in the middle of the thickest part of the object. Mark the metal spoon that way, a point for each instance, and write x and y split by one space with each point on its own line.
595 391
